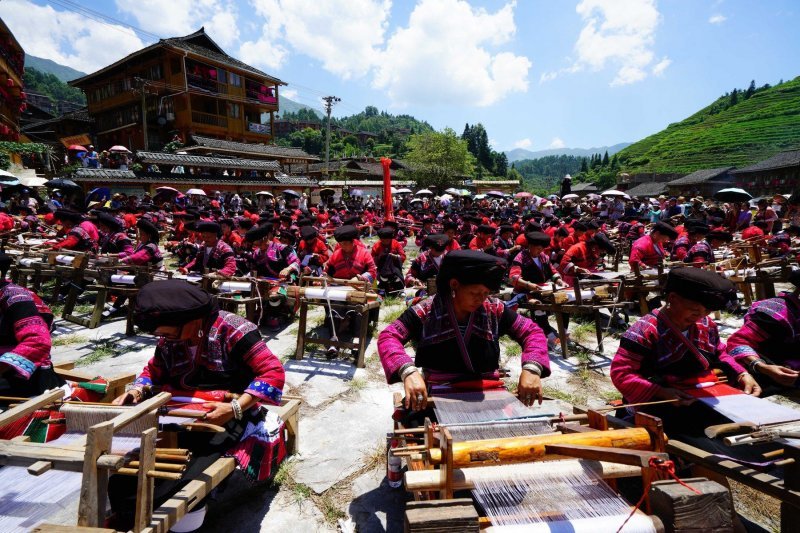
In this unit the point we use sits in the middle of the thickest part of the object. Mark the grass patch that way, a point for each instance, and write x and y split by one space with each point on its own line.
357 384
610 395
376 457
582 332
330 510
103 350
66 340
82 309
512 348
392 314
564 396
512 385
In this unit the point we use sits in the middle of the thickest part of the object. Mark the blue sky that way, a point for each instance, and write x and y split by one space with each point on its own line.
537 74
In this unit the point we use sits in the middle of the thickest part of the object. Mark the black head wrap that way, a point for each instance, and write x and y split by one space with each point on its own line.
391 224
172 302
437 241
537 237
207 227
665 229
486 229
602 241
719 236
245 223
471 267
794 278
68 215
702 286
386 233
148 227
698 228
110 221
450 225
258 233
345 233
308 233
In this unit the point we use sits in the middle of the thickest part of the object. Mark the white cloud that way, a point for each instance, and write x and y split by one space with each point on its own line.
493 143
344 35
181 17
446 56
717 19
523 143
616 33
661 66
548 76
291 94
557 143
67 38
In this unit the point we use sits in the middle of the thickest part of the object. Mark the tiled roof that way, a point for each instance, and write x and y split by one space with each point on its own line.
700 176
166 158
267 150
81 115
103 173
648 189
790 158
364 183
295 180
584 187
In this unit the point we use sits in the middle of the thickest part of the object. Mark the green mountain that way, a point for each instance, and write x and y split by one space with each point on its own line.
49 85
47 66
738 129
290 106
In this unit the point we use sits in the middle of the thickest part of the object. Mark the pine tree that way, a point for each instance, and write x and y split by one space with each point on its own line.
750 90
605 159
734 97
584 166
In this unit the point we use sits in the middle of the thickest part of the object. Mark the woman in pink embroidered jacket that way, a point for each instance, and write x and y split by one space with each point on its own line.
768 343
203 351
667 350
457 333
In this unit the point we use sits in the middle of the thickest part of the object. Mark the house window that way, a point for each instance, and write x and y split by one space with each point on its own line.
175 65
234 110
235 79
222 76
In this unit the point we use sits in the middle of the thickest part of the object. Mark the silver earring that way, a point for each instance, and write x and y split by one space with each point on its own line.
200 334
452 293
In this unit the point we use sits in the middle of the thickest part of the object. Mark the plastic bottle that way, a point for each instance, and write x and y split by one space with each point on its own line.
394 467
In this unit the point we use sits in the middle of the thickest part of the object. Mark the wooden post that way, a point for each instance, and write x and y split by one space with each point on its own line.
145 483
301 331
682 510
790 513
92 505
562 332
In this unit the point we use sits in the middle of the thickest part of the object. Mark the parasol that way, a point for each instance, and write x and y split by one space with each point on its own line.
196 192
290 192
77 148
571 196
119 149
495 194
733 195
424 192
523 194
61 183
265 193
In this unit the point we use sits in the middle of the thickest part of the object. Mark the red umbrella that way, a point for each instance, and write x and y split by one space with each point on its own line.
523 194
77 148
119 148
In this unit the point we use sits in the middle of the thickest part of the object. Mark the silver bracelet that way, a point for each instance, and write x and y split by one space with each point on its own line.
237 409
407 372
533 367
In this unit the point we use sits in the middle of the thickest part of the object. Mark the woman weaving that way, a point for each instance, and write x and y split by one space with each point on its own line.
457 334
677 348
209 354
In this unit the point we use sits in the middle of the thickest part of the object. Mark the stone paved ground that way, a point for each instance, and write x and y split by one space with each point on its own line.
336 482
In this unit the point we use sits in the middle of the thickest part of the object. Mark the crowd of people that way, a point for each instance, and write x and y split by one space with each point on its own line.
467 251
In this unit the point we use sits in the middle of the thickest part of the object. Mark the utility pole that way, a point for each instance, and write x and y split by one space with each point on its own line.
142 90
329 102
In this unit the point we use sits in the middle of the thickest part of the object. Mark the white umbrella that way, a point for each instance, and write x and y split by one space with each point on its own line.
33 181
571 196
424 192
404 191
196 192
446 197
613 192
394 191
480 196
264 193
453 190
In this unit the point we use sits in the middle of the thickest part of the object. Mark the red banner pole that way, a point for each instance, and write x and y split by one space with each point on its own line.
388 211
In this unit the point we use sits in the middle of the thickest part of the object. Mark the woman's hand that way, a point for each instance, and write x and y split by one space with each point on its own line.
416 392
749 385
220 414
530 388
669 393
128 398
779 374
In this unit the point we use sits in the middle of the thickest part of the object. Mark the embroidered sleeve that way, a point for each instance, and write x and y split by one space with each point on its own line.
767 319
392 341
636 345
269 377
32 335
155 372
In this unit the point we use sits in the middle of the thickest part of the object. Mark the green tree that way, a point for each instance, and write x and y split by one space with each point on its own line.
584 165
352 140
605 159
734 97
750 90
439 159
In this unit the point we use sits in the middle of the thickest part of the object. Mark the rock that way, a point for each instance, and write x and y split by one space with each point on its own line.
334 442
376 507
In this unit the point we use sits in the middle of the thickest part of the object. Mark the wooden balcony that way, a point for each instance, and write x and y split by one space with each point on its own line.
206 84
209 119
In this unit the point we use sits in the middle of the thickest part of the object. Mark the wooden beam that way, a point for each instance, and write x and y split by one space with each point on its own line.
34 404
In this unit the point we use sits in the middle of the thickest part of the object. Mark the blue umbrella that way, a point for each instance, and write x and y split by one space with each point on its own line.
99 194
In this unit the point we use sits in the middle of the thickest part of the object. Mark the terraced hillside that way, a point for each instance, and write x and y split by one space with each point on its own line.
722 134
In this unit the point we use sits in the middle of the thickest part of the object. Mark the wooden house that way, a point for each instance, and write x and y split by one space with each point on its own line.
180 86
12 97
705 182
780 174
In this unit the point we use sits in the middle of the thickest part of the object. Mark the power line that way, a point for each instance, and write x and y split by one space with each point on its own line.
104 19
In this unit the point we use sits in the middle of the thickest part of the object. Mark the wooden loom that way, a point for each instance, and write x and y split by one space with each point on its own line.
340 295
438 466
91 455
587 297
